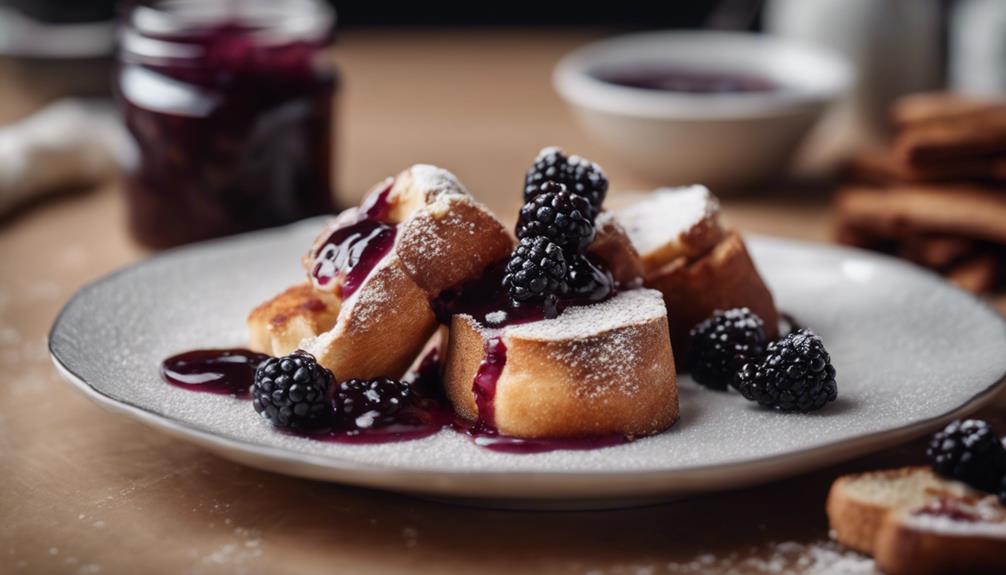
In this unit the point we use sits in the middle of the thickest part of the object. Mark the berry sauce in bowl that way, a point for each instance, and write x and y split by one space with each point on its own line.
687 81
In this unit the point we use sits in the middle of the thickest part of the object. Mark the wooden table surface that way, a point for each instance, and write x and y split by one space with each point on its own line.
84 491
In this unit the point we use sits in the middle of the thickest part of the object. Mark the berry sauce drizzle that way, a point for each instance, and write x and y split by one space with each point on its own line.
949 509
354 249
486 377
221 371
426 417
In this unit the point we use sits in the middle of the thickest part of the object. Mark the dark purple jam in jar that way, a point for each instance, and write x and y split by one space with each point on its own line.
230 105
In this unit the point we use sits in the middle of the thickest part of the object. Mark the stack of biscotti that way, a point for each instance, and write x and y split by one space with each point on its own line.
937 194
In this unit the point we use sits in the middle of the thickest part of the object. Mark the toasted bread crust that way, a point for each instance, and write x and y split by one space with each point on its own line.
902 549
381 328
724 278
613 247
856 520
450 241
570 387
277 326
662 243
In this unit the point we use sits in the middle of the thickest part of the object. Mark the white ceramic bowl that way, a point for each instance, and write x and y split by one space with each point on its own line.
719 139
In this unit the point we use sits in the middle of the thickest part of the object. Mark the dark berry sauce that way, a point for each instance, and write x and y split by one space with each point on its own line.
352 250
484 387
492 440
685 81
222 371
950 510
486 300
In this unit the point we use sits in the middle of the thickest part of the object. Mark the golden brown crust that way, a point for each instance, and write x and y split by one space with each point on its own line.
940 107
856 518
451 241
855 521
903 549
613 247
661 242
576 387
382 329
278 325
973 135
724 278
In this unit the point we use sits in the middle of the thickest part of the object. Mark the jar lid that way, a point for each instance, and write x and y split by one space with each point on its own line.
160 28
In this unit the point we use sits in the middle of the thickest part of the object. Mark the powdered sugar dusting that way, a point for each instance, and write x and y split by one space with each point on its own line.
434 181
631 307
428 241
990 519
784 558
602 362
667 213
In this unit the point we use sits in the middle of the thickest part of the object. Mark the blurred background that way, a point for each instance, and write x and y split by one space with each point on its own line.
129 127
215 117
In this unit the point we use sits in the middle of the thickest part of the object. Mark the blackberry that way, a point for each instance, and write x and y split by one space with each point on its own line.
723 343
588 282
371 403
562 217
969 451
536 272
581 177
292 391
795 374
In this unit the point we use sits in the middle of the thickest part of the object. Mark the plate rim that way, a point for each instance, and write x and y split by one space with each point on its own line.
550 484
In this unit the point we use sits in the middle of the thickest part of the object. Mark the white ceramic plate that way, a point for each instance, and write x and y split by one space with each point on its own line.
911 352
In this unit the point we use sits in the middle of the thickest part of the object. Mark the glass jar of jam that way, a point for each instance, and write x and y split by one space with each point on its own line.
230 103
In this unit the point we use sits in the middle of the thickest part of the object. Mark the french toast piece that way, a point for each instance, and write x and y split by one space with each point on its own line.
443 237
277 326
858 504
600 369
698 265
945 537
722 279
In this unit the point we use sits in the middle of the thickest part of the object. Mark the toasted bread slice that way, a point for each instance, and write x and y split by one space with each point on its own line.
443 237
946 537
699 266
859 504
599 369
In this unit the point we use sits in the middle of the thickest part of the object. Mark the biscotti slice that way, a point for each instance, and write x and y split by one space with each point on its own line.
377 268
944 537
595 370
858 504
